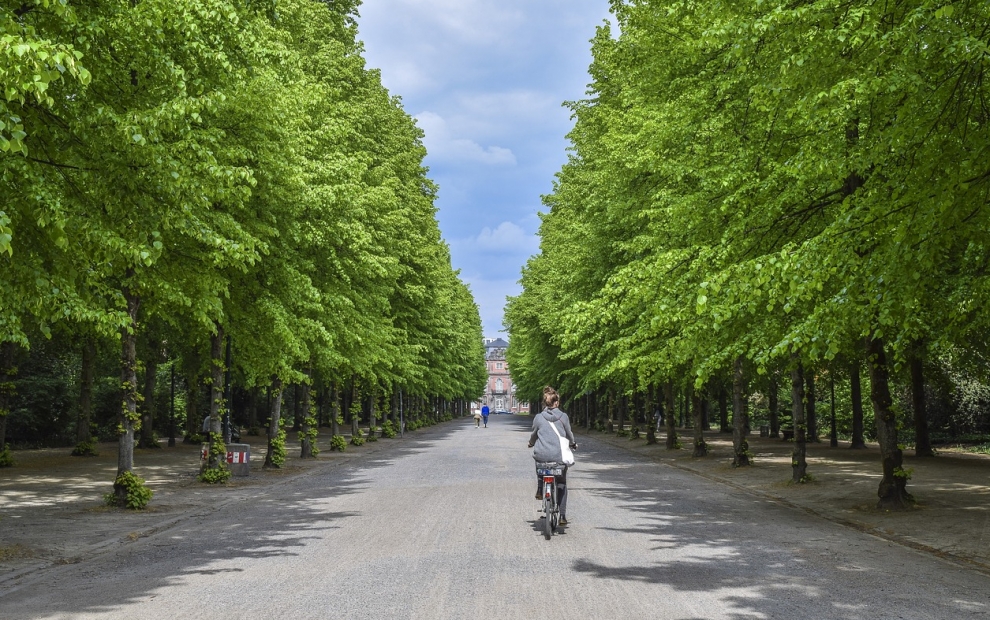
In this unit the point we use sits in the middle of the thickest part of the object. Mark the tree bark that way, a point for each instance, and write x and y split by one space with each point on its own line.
723 410
128 415
811 414
799 458
148 406
305 443
893 487
700 447
8 371
273 420
774 406
355 415
856 394
394 406
922 441
193 423
833 436
87 374
706 408
669 419
252 420
216 397
621 406
651 417
372 417
740 417
335 410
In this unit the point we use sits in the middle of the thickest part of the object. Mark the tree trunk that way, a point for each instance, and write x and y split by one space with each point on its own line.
774 406
87 374
799 459
856 394
651 417
669 420
355 413
216 459
922 441
394 406
740 417
723 411
128 416
621 406
373 418
273 420
7 373
893 487
684 402
700 447
252 420
296 413
305 442
148 406
811 414
192 408
335 410
611 412
706 407
833 435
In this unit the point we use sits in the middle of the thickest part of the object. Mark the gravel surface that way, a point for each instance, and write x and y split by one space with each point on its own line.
445 526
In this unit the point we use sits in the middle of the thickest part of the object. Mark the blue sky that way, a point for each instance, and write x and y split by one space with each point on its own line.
485 80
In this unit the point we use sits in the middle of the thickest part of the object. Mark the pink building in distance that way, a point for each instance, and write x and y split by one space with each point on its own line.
500 392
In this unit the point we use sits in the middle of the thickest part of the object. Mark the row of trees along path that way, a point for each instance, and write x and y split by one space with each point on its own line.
183 177
762 200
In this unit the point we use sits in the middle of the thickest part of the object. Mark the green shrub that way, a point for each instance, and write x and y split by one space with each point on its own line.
371 435
254 431
137 493
634 433
622 433
85 448
358 438
278 446
388 429
219 475
312 432
338 443
6 458
195 438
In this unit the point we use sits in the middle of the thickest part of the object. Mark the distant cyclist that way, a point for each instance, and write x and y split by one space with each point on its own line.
548 426
484 414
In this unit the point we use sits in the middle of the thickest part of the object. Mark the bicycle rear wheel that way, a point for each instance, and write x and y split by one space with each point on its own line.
548 516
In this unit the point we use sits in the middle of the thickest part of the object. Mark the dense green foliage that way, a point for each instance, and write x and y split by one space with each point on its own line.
780 186
180 170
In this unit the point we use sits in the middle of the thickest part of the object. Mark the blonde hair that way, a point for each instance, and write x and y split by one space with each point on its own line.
551 399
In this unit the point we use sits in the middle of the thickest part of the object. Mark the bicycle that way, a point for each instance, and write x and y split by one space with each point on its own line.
551 509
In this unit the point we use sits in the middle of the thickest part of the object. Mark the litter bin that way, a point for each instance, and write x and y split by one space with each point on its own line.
238 458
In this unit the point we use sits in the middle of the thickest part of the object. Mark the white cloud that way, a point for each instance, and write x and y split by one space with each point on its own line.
507 237
441 144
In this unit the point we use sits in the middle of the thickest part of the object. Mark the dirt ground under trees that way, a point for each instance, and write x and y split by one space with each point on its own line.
951 518
51 508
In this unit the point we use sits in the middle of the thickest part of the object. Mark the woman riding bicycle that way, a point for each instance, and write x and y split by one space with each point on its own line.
546 426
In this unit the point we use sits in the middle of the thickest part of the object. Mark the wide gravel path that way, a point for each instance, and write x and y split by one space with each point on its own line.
444 525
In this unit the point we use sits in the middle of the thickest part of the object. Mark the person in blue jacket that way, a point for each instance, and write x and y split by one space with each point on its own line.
484 414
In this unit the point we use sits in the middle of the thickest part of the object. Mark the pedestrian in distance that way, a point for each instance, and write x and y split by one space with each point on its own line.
550 428
484 414
477 419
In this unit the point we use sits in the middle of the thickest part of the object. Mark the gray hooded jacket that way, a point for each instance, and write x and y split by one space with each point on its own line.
547 446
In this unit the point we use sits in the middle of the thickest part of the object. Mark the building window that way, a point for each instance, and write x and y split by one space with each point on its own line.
498 385
499 365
